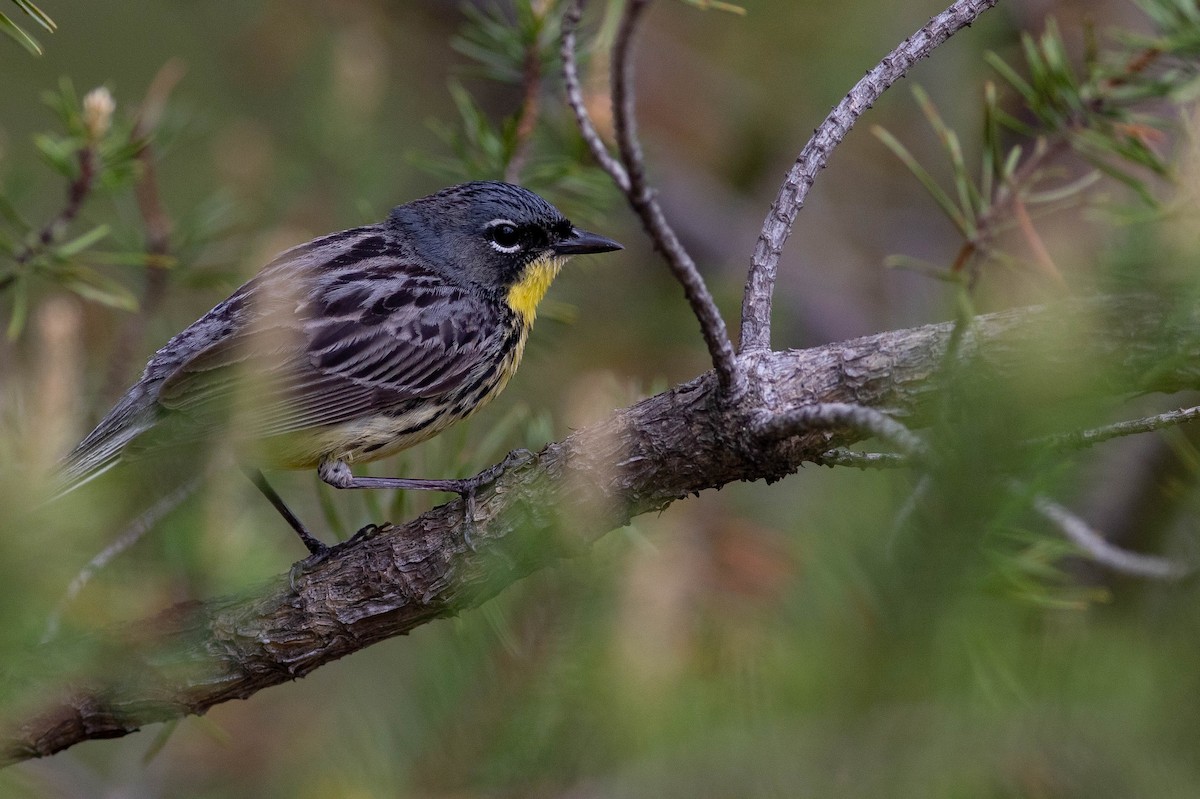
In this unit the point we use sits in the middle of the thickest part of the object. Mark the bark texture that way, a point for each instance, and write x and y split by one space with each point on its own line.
553 504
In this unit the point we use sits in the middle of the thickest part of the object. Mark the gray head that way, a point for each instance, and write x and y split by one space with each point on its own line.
486 232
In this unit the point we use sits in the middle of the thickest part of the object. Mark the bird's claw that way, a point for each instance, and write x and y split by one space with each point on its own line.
303 567
517 457
314 560
364 534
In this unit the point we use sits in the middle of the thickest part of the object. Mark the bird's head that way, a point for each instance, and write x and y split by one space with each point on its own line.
495 236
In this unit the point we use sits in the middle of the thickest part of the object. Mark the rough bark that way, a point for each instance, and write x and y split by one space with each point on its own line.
554 504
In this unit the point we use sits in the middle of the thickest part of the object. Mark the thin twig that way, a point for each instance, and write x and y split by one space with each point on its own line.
132 534
1099 549
854 459
628 174
1080 439
575 99
764 268
77 193
527 116
641 199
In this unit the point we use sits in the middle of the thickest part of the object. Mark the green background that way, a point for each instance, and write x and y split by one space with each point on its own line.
760 641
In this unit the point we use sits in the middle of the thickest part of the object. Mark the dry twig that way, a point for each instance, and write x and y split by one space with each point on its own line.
764 267
631 179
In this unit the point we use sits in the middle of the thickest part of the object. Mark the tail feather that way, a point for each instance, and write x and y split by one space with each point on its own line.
101 449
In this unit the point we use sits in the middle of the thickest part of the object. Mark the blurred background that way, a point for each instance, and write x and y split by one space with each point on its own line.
798 639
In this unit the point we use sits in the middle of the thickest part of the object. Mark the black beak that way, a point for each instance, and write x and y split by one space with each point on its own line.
580 242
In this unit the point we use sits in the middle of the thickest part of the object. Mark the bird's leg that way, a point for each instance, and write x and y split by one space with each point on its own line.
337 473
260 482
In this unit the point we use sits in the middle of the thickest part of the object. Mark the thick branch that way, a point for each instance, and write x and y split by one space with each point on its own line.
764 266
640 459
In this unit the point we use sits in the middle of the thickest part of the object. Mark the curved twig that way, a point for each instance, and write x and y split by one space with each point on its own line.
764 266
631 179
1099 549
833 415
575 99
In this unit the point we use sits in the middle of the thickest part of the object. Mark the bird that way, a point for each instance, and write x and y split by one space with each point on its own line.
352 347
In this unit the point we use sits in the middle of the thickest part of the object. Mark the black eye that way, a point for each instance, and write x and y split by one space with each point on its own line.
504 236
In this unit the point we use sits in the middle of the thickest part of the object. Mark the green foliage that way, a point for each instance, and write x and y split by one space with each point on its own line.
1100 110
536 144
1112 112
94 151
788 640
507 43
113 148
480 148
18 33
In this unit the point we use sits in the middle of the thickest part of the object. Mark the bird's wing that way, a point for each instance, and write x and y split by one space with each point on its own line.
309 357
356 349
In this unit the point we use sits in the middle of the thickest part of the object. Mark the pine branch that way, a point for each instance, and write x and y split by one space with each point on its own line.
639 460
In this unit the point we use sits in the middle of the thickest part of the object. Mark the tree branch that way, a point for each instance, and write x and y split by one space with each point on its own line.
640 459
630 177
575 99
764 266
1100 549
1079 439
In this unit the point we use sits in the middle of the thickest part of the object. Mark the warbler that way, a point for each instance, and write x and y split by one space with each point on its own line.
354 346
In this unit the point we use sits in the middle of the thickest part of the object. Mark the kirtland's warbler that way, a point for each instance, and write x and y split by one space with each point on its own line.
354 346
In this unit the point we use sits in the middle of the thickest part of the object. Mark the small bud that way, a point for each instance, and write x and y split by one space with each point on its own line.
98 107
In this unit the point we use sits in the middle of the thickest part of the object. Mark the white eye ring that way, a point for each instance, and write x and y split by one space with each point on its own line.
494 232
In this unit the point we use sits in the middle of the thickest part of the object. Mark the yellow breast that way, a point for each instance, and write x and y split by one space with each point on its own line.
527 293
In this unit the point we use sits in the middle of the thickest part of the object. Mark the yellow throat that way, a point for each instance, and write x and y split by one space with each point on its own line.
526 293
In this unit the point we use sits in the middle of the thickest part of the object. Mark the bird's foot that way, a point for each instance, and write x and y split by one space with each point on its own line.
471 485
318 557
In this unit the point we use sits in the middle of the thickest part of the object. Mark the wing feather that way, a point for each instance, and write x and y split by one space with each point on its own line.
325 369
342 328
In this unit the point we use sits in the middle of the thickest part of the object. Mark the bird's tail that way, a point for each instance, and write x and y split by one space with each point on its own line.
101 449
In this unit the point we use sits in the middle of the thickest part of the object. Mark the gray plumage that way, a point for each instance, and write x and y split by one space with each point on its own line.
356 344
